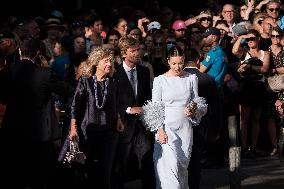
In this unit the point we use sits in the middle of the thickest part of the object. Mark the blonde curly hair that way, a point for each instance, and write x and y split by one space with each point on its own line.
95 57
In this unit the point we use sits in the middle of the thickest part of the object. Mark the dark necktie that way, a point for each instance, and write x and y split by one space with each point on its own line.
132 80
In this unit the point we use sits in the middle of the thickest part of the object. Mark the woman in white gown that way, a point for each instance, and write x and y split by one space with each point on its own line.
176 89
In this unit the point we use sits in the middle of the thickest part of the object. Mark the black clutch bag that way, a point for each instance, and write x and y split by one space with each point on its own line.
250 74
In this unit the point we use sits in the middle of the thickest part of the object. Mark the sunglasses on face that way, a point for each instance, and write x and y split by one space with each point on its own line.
205 19
251 39
275 36
274 10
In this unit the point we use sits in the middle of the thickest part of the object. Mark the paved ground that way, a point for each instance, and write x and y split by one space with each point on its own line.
258 173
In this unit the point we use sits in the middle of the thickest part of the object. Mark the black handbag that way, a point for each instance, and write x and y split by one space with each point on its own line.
250 74
70 153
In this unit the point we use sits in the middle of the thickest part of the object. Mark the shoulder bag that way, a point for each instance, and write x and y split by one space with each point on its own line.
276 82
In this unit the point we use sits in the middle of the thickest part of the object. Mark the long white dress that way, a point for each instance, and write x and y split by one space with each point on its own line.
171 159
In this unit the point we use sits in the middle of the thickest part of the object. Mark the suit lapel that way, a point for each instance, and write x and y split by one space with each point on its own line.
139 81
125 79
91 85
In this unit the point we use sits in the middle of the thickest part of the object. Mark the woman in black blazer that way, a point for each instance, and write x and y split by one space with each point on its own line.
94 117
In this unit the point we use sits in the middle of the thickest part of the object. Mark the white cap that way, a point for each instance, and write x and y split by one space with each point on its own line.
154 25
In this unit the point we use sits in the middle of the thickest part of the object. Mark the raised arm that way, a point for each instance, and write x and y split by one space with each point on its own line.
249 9
260 5
237 50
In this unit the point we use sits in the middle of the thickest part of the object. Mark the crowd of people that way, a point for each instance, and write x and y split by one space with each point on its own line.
81 79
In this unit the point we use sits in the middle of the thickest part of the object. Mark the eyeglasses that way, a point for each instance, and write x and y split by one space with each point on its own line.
158 44
251 39
275 36
274 9
205 19
229 11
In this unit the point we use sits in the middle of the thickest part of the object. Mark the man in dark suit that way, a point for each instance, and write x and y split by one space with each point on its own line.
8 56
134 90
206 130
30 125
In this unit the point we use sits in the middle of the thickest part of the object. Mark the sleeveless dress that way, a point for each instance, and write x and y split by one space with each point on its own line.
253 92
171 159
